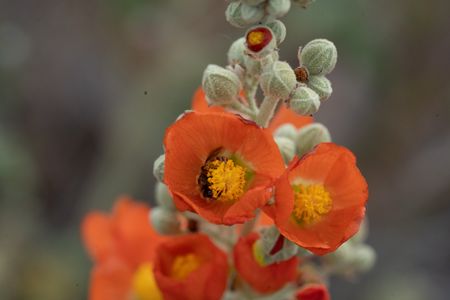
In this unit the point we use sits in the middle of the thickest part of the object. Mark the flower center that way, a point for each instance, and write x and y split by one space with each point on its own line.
144 284
222 179
255 37
312 202
184 265
258 38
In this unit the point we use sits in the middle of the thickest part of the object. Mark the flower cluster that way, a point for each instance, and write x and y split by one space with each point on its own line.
248 190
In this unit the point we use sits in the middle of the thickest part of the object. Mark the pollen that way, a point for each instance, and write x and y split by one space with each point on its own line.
144 284
312 202
226 179
255 37
184 265
258 38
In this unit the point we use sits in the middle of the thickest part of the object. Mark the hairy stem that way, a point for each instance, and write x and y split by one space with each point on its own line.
266 111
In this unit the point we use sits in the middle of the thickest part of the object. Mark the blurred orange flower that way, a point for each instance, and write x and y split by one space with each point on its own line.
191 267
263 278
313 292
220 166
320 200
122 246
283 116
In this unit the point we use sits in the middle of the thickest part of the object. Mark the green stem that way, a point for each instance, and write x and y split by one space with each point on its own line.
238 106
266 111
250 87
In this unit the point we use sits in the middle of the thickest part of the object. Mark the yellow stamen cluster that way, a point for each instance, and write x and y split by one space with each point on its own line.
255 37
184 265
312 202
226 180
144 284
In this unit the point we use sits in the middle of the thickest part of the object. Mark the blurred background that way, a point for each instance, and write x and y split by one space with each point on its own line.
87 88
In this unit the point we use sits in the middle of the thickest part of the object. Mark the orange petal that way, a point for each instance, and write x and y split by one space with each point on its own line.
265 279
135 236
287 116
313 292
335 167
192 139
97 237
110 280
208 282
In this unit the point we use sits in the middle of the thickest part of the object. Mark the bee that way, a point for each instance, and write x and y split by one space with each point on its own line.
203 178
204 184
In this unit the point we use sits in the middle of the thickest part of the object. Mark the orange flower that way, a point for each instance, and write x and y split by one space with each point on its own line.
262 278
283 116
122 246
320 200
220 166
191 267
313 292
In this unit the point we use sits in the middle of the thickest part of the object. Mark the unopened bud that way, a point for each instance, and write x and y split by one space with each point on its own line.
278 80
304 101
236 53
286 147
221 86
310 136
321 85
319 57
278 8
163 197
287 130
278 29
364 258
158 168
164 221
240 14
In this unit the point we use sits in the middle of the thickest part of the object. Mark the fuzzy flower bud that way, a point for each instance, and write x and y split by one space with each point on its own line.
278 8
287 130
240 14
260 41
270 239
304 101
278 29
364 258
287 148
319 57
310 136
351 258
164 221
163 197
278 80
158 168
236 53
321 85
221 86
